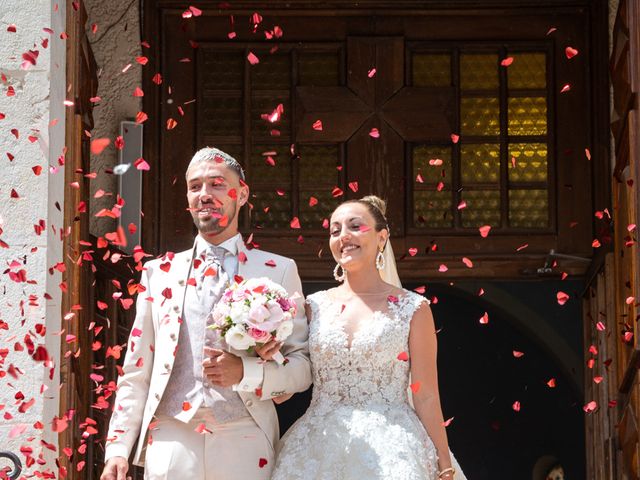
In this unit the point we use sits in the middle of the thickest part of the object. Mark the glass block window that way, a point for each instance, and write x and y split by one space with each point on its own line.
497 172
235 112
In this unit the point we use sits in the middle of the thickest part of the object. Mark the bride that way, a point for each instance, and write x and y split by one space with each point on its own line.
370 340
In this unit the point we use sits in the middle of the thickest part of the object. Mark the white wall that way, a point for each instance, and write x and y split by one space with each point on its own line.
34 110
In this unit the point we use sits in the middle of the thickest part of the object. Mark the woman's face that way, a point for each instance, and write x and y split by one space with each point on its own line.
353 239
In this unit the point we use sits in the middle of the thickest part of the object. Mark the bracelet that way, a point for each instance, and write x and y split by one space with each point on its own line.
450 470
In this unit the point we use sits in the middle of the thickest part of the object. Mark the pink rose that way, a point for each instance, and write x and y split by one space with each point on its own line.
259 335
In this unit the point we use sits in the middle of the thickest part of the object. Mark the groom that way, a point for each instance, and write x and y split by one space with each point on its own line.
175 394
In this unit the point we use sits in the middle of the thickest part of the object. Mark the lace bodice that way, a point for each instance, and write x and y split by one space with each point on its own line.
367 372
359 423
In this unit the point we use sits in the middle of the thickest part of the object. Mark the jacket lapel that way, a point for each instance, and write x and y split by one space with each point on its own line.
244 260
173 311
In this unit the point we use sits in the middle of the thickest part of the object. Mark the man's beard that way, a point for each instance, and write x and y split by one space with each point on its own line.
212 225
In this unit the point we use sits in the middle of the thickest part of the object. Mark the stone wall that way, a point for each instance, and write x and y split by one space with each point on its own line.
32 89
115 45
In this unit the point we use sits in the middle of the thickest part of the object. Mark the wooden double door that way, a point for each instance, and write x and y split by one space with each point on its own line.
458 118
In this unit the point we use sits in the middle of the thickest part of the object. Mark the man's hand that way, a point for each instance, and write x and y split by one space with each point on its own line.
268 350
115 469
222 368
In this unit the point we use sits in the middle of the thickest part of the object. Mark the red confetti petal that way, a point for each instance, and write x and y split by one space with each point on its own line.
353 186
566 87
138 92
262 462
171 124
374 133
516 406
590 407
403 356
313 201
506 61
455 138
336 192
570 52
295 222
415 387
141 117
551 383
413 251
317 125
562 298
98 145
484 319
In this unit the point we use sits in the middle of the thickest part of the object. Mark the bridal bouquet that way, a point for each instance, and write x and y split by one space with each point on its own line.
253 312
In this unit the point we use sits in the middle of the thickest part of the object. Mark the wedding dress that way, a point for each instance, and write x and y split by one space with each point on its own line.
360 424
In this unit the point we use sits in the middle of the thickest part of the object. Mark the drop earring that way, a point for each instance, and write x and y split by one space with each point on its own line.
339 277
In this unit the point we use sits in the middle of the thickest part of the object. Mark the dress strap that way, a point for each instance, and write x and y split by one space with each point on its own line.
409 304
315 300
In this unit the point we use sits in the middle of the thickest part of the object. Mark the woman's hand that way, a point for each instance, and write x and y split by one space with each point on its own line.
268 350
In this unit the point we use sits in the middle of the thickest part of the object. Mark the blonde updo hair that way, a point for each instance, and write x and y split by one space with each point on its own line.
376 206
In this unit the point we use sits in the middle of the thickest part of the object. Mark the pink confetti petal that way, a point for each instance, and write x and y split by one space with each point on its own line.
506 61
141 164
317 125
253 60
374 133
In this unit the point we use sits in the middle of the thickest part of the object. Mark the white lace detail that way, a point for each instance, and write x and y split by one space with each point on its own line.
359 423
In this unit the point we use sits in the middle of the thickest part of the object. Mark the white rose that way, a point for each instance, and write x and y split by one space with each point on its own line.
238 338
239 312
284 330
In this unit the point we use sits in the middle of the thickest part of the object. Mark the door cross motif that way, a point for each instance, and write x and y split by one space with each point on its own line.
382 101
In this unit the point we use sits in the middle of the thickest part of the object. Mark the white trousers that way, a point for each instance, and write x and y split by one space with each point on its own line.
233 450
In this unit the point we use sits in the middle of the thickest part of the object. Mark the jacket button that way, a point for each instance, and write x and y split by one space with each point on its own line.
172 336
167 366
249 403
157 397
176 308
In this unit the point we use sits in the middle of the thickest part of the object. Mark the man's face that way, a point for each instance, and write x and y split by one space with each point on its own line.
215 194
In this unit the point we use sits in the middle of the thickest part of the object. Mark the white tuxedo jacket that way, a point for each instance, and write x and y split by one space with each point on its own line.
155 335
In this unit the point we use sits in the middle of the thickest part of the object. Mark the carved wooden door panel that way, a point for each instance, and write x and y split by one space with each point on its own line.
455 134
